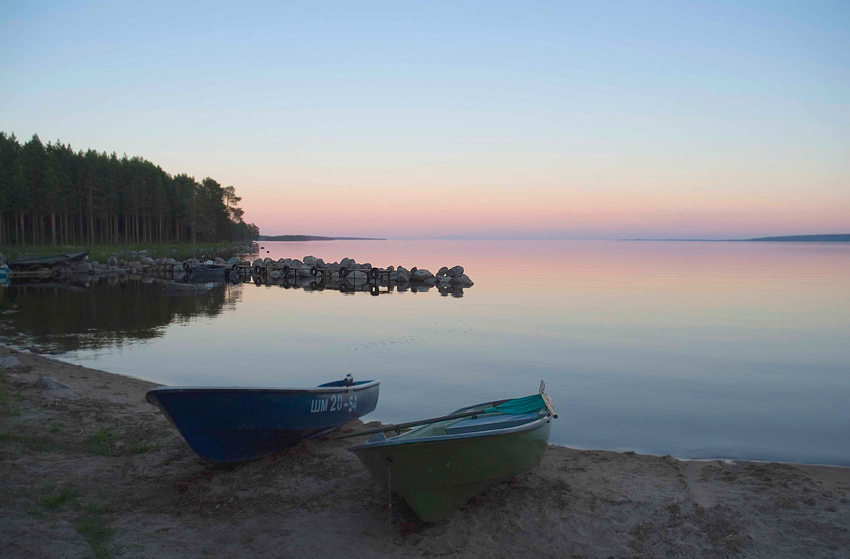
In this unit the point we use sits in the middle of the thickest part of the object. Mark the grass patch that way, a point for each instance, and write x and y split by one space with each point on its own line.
95 531
100 253
9 402
27 440
63 497
100 443
111 441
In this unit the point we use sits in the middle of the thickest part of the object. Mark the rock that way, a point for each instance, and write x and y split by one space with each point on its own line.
82 268
171 261
430 281
258 262
50 383
18 379
219 261
421 275
148 261
443 278
402 275
462 281
310 260
442 272
234 261
357 276
112 260
275 274
267 261
455 271
160 261
9 361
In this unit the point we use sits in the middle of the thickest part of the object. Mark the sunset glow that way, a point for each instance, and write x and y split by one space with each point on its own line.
439 120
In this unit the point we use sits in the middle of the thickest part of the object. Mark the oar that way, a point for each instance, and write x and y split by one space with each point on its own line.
400 426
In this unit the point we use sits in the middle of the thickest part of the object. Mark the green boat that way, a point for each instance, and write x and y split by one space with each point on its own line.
437 467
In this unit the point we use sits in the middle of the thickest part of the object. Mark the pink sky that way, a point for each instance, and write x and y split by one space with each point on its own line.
622 207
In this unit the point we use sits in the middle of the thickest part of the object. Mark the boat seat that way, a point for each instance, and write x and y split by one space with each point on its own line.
490 422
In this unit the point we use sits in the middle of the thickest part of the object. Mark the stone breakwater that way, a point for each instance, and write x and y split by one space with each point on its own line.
349 270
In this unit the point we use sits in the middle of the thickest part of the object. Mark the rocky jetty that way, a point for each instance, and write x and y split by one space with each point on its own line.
346 272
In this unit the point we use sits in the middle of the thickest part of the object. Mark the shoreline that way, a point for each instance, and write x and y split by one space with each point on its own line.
59 358
93 469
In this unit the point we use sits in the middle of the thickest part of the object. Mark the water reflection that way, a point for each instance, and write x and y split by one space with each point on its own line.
350 285
691 349
83 312
93 312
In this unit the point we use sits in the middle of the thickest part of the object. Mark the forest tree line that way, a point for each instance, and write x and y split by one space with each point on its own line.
51 194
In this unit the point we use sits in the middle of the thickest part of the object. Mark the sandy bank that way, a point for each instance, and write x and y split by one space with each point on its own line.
94 470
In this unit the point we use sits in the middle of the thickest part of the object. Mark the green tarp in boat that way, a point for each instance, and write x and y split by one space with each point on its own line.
519 406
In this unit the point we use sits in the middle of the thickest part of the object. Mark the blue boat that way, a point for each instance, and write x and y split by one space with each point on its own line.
240 423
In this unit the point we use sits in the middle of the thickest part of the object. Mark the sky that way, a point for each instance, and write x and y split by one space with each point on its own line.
430 119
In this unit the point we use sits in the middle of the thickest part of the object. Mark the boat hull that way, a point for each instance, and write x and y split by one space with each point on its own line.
208 273
238 424
47 261
437 477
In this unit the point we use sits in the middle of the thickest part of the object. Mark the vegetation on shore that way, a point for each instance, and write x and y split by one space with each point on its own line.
53 195
179 251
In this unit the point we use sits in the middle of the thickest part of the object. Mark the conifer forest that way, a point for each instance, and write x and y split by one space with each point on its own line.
53 195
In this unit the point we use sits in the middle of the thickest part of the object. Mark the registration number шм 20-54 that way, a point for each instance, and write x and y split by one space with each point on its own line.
337 403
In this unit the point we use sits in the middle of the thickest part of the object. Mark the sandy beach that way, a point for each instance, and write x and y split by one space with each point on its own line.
93 470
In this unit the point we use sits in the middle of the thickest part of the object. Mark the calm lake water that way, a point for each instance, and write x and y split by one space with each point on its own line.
695 349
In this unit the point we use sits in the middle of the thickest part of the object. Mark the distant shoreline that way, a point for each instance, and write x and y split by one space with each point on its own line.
843 238
313 238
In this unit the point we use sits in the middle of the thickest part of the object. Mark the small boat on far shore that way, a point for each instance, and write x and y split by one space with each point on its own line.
234 424
207 271
441 464
47 261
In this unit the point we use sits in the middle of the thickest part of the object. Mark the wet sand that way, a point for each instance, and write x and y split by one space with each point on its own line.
94 470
